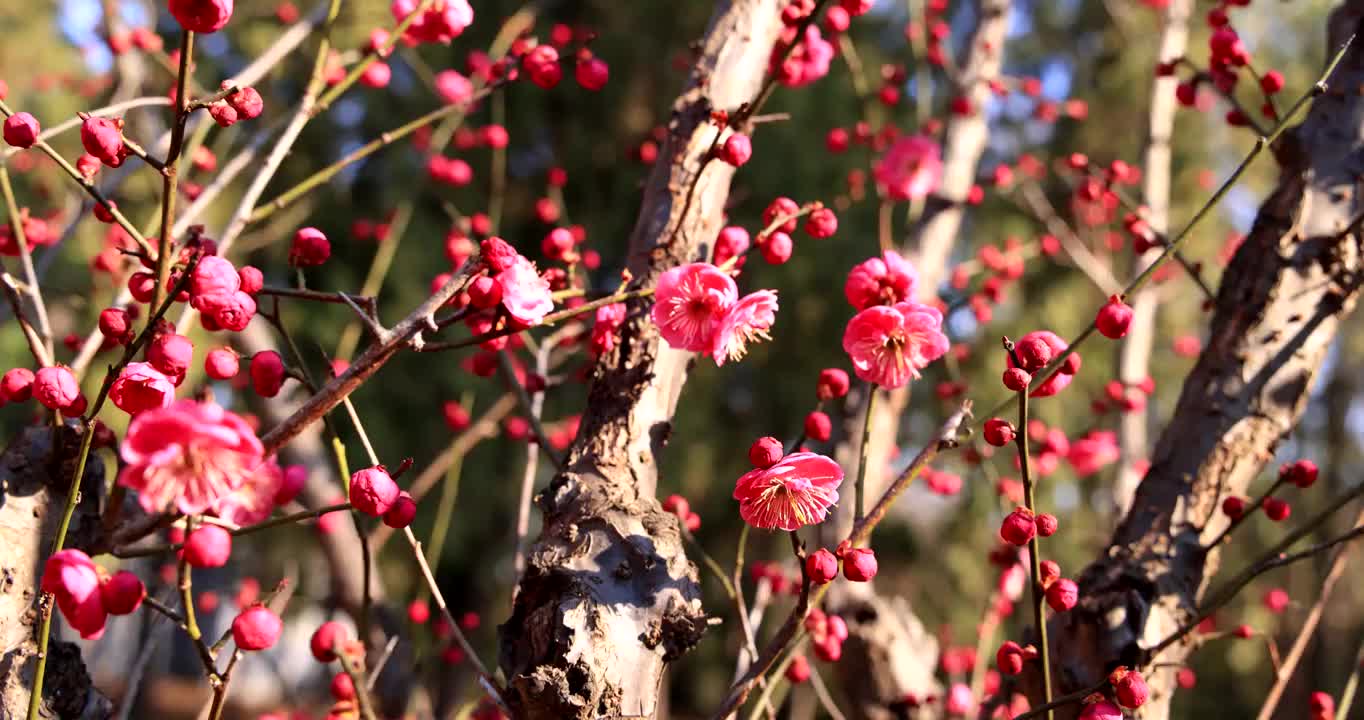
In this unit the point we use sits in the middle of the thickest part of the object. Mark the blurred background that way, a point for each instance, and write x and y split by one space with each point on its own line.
56 59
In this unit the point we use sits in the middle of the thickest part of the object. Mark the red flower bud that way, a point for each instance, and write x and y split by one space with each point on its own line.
1018 527
122 594
256 628
818 426
403 510
833 383
209 546
999 432
822 567
267 373
859 564
1114 318
373 491
1063 594
325 639
765 452
1017 379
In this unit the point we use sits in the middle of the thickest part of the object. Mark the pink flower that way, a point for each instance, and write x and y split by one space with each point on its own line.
1061 377
254 500
213 276
71 576
960 701
690 304
606 329
525 294
796 491
141 387
910 169
886 280
191 454
229 311
201 16
453 88
745 321
1093 452
889 345
440 23
807 62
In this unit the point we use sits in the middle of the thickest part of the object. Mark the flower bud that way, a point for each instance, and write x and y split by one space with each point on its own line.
221 364
736 150
1114 318
373 491
55 387
999 432
122 594
21 130
1018 527
822 567
267 373
402 512
1017 379
325 639
310 248
208 546
833 384
1063 594
256 628
765 452
859 564
818 426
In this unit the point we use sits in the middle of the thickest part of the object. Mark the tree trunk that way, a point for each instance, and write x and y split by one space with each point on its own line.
35 473
1135 357
889 654
1276 314
608 596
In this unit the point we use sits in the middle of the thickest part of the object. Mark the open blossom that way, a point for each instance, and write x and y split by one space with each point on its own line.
190 454
889 345
798 490
886 280
525 294
690 303
910 169
745 321
1093 452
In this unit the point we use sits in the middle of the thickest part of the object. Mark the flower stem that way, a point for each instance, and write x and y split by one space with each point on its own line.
859 488
170 173
1034 545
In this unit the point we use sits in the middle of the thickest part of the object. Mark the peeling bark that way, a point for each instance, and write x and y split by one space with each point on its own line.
889 655
1276 314
608 596
35 473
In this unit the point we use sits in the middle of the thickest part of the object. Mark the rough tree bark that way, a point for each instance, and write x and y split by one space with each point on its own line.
1134 358
1276 314
35 474
889 654
608 596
